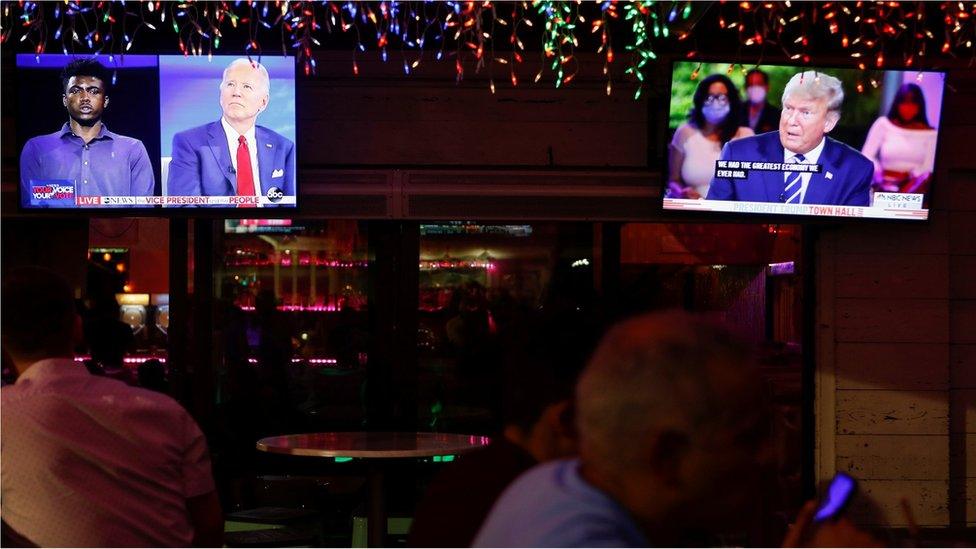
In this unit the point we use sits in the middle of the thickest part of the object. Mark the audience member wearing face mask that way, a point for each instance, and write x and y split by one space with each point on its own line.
713 122
902 144
757 113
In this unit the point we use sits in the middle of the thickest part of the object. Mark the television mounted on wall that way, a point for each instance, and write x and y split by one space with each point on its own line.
151 133
802 141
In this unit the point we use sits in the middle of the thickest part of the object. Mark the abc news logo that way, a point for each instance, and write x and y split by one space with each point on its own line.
275 194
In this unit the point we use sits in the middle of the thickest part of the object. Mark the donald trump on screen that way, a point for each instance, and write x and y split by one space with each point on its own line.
811 108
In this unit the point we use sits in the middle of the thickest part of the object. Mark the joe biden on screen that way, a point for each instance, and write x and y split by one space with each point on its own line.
233 156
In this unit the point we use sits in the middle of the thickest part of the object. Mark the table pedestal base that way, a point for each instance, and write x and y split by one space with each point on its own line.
376 507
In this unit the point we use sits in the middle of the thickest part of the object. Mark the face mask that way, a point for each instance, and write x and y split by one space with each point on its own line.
756 94
715 113
907 111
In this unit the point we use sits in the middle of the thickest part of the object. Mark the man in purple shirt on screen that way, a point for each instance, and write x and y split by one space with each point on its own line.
84 154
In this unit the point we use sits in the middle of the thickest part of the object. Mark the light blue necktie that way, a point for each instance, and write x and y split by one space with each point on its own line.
791 194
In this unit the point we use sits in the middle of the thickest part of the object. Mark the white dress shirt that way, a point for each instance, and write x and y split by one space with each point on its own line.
252 149
900 149
811 157
90 462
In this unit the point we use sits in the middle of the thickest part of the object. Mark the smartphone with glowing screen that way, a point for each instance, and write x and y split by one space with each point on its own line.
838 494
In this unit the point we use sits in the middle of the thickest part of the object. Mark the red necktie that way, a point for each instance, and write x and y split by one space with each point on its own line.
245 177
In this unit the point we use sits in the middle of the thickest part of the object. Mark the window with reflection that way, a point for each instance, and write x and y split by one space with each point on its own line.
125 302
291 324
749 277
477 283
744 275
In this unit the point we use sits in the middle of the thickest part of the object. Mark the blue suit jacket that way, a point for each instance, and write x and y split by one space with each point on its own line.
202 165
848 184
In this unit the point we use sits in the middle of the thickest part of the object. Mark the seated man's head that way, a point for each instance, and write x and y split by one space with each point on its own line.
266 302
244 91
39 318
152 375
542 362
84 85
811 108
671 421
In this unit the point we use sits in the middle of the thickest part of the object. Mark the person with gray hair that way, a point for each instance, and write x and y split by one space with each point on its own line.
234 156
812 104
672 443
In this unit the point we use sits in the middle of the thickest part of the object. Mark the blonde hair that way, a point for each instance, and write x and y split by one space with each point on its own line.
817 85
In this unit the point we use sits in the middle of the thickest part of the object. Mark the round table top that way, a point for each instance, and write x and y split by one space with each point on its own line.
372 444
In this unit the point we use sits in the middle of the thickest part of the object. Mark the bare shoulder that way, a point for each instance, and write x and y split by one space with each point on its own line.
682 134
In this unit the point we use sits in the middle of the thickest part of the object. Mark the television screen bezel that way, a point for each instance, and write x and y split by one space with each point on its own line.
700 216
208 212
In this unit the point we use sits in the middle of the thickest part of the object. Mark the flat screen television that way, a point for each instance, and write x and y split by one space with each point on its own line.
156 131
781 140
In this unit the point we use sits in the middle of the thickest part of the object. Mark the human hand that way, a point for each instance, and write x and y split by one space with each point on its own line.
884 187
832 533
675 190
917 182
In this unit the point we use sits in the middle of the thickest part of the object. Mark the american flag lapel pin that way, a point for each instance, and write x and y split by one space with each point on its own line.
829 175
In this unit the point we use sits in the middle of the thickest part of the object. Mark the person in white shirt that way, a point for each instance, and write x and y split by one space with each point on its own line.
902 144
713 122
89 461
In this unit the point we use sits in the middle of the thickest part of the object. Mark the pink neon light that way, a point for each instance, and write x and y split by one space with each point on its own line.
128 359
434 265
286 262
309 360
301 308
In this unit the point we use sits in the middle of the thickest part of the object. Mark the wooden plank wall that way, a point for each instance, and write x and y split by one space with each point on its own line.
896 346
383 117
962 348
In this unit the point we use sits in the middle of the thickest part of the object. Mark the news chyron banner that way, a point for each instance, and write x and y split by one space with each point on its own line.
878 205
61 194
886 206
